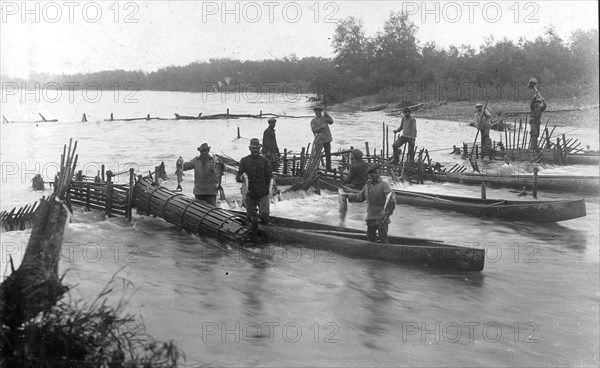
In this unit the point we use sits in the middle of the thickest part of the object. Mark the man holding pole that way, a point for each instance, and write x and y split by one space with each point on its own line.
483 122
320 128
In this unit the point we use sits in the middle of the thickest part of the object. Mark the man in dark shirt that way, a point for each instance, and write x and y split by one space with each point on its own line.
357 178
269 148
258 170
537 106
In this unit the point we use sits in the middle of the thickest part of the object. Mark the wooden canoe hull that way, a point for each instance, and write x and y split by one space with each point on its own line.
532 211
572 184
351 242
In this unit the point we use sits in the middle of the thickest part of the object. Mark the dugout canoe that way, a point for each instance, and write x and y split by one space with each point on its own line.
557 183
336 240
532 211
205 219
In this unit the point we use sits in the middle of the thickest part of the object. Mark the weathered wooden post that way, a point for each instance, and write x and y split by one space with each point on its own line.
102 172
227 115
238 131
559 151
317 184
260 115
130 196
535 181
111 117
108 204
367 151
565 150
148 117
483 193
285 162
301 168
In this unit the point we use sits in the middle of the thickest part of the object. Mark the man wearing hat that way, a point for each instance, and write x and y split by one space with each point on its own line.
269 148
483 122
408 126
380 205
357 177
207 175
320 128
258 170
537 106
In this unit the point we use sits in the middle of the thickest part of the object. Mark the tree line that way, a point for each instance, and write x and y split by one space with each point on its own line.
388 63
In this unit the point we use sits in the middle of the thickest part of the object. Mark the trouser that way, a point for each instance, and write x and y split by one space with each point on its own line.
399 143
327 150
377 226
273 159
258 208
535 133
208 198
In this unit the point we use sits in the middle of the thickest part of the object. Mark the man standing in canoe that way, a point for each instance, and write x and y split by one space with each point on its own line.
483 122
207 175
258 170
357 177
269 147
537 106
320 128
380 205
408 126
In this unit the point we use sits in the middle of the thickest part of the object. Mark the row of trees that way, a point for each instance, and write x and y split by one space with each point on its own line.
394 56
391 58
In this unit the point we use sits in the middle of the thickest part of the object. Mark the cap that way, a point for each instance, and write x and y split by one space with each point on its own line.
318 108
406 109
204 147
254 143
479 105
272 120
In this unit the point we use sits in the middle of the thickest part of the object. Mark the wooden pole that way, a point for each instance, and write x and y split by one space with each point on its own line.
102 172
227 115
566 149
108 205
285 162
483 191
519 135
535 181
238 131
387 143
367 151
130 194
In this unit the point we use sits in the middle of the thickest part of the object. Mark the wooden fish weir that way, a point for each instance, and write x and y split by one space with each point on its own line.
19 220
189 214
94 193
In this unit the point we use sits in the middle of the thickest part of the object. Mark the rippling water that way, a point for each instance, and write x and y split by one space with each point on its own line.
535 303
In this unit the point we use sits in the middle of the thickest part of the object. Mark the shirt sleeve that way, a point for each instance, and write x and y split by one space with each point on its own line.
188 165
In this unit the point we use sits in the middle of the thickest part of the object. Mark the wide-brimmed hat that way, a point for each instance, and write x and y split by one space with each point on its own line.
204 147
254 143
272 120
318 108
373 168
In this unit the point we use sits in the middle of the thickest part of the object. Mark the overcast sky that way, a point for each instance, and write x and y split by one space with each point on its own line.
72 36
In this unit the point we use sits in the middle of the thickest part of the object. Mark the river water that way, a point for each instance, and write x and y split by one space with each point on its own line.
535 303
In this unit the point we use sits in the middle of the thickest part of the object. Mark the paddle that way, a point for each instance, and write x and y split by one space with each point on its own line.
343 200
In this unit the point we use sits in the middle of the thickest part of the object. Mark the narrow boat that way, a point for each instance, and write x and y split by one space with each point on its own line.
558 183
353 243
533 211
205 219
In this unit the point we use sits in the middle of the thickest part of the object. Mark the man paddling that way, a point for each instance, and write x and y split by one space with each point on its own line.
537 106
380 205
408 126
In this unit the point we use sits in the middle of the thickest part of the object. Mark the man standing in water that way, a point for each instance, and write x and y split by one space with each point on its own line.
537 106
483 122
258 170
380 205
207 175
320 128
